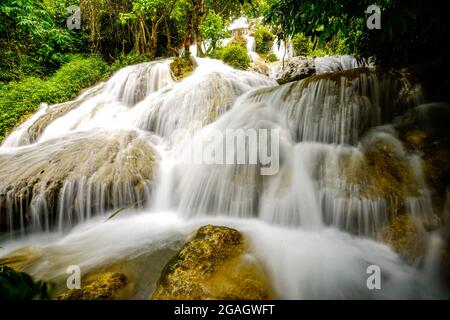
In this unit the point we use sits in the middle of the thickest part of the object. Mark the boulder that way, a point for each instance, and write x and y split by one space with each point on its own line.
74 176
215 264
260 66
296 68
405 236
106 286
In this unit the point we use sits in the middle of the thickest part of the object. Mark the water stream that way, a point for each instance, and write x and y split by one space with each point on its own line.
315 224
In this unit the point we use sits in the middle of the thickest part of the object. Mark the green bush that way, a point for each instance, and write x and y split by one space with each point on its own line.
182 66
127 59
272 57
20 286
264 40
20 98
302 44
217 53
239 40
236 56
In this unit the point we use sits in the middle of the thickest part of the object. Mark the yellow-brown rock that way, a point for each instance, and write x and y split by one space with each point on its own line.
214 264
405 237
106 286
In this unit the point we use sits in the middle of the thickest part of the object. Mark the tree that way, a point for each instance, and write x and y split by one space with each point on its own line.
213 29
413 29
31 38
154 11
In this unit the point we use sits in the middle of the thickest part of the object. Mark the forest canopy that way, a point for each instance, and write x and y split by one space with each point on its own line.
34 38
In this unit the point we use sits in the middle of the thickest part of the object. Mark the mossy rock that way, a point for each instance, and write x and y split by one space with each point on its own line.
214 264
21 258
182 67
424 131
382 171
405 236
106 286
239 40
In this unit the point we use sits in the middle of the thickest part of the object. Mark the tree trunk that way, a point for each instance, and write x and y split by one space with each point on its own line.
171 49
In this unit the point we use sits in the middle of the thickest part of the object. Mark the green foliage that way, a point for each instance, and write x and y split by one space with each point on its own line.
272 57
302 44
264 40
238 40
124 60
20 286
182 66
217 53
20 98
31 40
236 56
414 30
213 29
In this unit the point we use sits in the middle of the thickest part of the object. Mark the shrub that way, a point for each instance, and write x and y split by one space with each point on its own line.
127 59
239 40
20 286
20 98
217 53
236 56
302 44
272 57
264 40
182 66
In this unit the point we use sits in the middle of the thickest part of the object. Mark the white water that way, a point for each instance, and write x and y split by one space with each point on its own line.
300 264
282 49
298 221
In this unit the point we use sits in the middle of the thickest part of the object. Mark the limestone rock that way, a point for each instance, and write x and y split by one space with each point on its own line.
260 66
76 175
405 236
424 131
215 264
296 69
106 286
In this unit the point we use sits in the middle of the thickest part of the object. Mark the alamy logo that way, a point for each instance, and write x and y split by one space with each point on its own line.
235 147
374 280
74 19
374 20
74 280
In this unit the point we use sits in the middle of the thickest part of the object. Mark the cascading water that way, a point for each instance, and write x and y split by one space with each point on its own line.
124 144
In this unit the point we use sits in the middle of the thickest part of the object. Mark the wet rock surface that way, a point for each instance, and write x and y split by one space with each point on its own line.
295 69
215 264
106 286
77 175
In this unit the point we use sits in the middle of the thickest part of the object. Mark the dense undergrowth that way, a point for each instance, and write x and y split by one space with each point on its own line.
18 99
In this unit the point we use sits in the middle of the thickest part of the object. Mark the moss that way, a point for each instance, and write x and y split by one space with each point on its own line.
20 259
382 172
212 265
182 66
404 236
106 286
434 150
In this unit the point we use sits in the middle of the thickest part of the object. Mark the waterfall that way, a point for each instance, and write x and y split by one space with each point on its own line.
282 49
125 145
339 63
